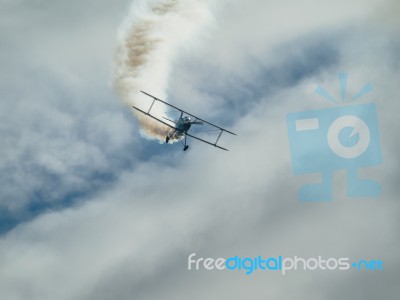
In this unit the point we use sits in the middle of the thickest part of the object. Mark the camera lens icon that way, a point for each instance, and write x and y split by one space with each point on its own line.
359 131
326 140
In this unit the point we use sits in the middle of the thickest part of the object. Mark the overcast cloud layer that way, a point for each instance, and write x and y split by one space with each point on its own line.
91 210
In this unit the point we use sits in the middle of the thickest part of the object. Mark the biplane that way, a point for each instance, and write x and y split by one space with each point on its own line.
180 127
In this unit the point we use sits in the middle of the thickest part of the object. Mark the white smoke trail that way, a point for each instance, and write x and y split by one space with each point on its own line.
148 41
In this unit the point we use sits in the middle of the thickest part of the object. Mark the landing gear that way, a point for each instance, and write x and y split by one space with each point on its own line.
185 145
168 137
179 135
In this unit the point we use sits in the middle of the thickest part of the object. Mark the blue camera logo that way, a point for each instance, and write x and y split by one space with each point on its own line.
343 137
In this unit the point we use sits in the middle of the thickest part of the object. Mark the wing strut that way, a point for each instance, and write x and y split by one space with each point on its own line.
151 106
219 136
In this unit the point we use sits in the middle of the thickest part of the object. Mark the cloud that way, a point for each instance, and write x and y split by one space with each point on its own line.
57 96
131 239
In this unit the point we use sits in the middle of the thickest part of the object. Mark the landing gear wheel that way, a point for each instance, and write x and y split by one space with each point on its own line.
167 139
185 148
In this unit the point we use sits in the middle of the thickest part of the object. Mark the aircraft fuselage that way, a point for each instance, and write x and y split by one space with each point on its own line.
183 125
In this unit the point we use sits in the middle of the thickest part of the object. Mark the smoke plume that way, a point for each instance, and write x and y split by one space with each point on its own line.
148 41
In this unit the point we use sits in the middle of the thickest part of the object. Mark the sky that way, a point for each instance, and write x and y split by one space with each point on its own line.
93 207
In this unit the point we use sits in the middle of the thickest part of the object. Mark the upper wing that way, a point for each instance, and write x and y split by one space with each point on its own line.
155 98
221 130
